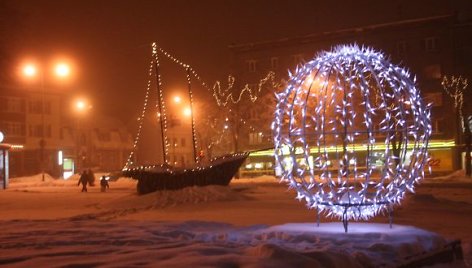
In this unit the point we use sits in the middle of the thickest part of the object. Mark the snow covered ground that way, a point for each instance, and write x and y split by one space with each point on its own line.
253 223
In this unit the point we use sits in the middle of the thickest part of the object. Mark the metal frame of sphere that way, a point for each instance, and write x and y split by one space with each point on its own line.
351 133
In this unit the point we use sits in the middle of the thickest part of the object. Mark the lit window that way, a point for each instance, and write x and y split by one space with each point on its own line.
255 138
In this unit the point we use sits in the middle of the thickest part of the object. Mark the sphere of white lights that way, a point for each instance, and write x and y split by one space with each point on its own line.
351 133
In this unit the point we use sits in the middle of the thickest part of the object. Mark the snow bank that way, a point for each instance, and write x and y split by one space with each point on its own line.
208 244
165 199
456 176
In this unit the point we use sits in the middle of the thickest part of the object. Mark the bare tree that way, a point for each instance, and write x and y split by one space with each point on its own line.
455 88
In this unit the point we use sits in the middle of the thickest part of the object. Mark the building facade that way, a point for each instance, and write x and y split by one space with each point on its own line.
46 135
430 47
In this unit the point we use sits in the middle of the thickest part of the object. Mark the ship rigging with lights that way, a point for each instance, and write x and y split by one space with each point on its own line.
163 176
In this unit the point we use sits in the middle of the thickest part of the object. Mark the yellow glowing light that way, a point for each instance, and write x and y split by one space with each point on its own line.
16 146
62 70
187 111
433 144
80 104
177 99
30 70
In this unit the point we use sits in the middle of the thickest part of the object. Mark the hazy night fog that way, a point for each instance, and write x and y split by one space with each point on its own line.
109 41
306 133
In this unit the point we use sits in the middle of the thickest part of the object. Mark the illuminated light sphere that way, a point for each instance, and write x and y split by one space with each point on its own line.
351 133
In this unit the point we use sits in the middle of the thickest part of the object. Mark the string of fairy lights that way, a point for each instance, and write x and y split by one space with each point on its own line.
190 96
222 97
225 96
160 105
455 88
129 161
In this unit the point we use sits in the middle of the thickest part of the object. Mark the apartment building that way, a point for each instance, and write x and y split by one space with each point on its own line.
46 135
430 47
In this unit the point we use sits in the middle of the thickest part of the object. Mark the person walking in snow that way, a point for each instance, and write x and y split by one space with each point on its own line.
104 184
84 179
91 177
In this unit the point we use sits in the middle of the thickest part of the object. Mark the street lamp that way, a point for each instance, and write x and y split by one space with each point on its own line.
31 70
187 112
177 99
81 106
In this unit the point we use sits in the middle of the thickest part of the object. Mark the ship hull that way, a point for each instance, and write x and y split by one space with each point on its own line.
219 171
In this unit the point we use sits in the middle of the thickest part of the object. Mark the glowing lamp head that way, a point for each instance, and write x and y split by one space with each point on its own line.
351 133
177 99
30 70
62 70
187 112
80 105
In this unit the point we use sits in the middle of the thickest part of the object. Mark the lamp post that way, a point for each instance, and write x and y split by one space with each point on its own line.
30 70
186 113
81 106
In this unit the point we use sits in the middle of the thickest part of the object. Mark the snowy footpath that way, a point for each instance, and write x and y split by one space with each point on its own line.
251 223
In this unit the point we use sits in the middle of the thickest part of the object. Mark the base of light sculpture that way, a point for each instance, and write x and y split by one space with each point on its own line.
345 219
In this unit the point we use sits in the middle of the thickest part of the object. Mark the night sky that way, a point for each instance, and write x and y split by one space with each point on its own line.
109 41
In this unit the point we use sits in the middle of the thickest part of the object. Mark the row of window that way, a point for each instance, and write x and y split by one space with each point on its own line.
429 44
17 105
17 129
104 136
174 142
252 65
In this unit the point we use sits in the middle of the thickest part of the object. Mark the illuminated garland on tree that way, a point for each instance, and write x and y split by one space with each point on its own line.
225 96
455 88
347 96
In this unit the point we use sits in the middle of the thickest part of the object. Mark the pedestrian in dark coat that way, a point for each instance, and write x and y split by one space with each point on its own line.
84 179
91 177
104 184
